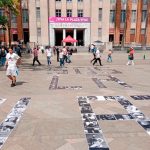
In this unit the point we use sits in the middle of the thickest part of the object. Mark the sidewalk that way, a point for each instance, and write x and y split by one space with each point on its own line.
66 112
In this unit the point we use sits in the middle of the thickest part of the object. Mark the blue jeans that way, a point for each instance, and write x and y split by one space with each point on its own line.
61 60
109 59
48 60
3 60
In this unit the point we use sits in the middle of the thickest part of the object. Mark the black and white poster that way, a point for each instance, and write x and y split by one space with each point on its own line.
98 83
140 97
54 82
2 100
7 126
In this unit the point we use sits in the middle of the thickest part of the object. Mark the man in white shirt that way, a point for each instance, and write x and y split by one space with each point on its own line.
48 54
98 57
12 60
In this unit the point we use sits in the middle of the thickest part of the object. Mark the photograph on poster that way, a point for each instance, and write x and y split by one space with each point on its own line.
110 98
96 141
106 117
92 124
145 124
91 130
2 100
81 103
86 108
89 117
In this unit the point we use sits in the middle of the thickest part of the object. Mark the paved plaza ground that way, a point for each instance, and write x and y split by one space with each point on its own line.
78 107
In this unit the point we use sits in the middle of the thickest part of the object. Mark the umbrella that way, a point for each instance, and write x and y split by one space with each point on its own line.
69 39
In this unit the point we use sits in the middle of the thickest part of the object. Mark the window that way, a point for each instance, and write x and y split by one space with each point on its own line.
80 0
100 14
124 1
69 13
133 18
13 18
1 12
112 1
38 16
80 13
38 31
112 16
144 14
58 0
142 31
144 2
123 16
1 31
25 16
69 0
132 31
99 32
58 13
134 1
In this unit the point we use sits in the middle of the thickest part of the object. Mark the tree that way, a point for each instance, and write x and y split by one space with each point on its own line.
10 7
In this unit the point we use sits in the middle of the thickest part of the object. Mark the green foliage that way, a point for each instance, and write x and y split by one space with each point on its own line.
9 6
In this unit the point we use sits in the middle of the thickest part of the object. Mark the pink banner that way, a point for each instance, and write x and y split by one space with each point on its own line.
70 19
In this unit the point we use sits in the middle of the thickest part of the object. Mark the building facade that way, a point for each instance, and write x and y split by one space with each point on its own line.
19 25
117 21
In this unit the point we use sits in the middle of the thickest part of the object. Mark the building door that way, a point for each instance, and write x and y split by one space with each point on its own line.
26 36
15 37
58 37
80 33
111 37
69 32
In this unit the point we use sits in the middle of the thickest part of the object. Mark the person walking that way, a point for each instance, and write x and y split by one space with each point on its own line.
35 58
65 54
12 61
93 49
57 52
131 57
48 54
109 59
3 54
61 58
98 57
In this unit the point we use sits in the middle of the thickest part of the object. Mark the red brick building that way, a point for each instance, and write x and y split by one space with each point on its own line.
19 25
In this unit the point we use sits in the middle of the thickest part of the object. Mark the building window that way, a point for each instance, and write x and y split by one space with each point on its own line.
80 13
100 14
80 0
134 1
99 32
112 1
142 31
38 16
124 1
144 2
144 14
58 13
132 31
123 16
112 16
38 32
25 16
58 0
69 0
1 31
133 18
13 18
1 12
69 13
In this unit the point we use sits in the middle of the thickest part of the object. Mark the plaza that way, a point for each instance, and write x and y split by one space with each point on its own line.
79 106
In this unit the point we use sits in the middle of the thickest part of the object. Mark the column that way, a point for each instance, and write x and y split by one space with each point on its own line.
64 36
117 22
75 36
138 22
128 21
148 25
